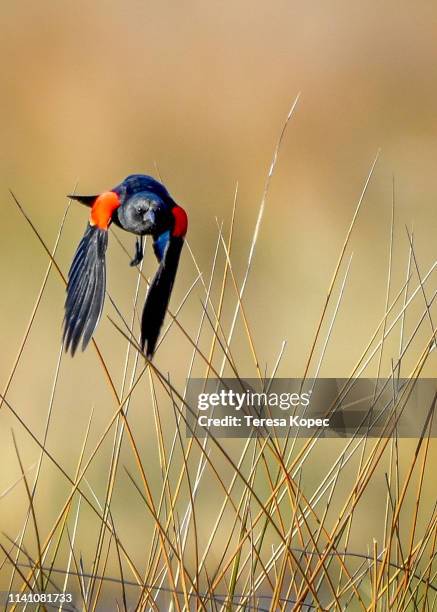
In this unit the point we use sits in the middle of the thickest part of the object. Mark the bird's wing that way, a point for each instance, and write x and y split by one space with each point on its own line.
88 200
85 288
167 250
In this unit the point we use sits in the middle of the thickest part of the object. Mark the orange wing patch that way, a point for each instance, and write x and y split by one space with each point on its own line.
180 221
103 209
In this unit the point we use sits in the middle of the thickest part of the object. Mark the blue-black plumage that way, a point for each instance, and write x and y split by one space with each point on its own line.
141 205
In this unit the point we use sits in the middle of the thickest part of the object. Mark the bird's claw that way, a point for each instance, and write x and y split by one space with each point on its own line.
136 260
138 257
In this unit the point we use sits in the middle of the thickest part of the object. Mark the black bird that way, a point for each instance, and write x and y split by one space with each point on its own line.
140 205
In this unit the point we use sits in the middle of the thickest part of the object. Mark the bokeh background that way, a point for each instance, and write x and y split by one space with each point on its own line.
198 91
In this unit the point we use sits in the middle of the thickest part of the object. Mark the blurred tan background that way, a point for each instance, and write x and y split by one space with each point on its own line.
92 92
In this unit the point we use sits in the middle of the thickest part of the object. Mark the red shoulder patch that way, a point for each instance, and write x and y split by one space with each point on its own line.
180 221
103 209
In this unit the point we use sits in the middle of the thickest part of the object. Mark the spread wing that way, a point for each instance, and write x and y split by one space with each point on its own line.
85 289
167 250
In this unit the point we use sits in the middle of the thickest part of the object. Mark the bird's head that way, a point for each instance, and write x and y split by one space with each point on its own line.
144 213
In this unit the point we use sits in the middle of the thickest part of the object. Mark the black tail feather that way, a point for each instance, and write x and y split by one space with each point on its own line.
158 296
85 289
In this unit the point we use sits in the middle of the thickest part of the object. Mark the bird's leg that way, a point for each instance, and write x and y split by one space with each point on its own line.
139 245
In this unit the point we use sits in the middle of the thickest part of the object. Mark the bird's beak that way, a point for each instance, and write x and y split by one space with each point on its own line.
150 218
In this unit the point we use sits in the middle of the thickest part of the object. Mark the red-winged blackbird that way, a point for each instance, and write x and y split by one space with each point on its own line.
140 205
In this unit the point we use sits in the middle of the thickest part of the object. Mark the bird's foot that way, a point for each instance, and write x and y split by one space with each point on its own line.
138 257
